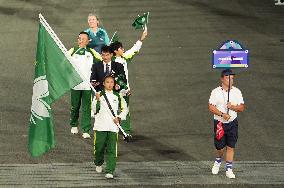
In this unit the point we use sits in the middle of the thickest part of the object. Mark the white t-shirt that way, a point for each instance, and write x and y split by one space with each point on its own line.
219 98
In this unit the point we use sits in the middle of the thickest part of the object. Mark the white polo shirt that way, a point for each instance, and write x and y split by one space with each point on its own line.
219 98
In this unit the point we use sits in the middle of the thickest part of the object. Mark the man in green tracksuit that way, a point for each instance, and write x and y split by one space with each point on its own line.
83 59
105 126
125 57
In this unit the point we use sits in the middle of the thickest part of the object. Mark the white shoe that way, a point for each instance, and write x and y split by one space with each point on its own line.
74 130
99 169
86 135
109 176
230 174
215 168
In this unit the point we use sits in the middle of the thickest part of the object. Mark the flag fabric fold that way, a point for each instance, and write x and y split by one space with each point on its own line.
54 76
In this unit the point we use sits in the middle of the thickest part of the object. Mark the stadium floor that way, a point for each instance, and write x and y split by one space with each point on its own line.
171 79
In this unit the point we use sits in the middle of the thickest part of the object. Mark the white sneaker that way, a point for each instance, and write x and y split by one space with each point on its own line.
109 176
86 135
99 169
74 130
215 168
230 174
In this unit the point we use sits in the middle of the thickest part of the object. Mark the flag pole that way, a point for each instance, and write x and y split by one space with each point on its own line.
112 37
148 16
229 88
53 35
63 49
145 28
111 112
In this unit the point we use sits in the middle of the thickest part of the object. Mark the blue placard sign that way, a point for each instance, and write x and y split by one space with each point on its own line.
231 54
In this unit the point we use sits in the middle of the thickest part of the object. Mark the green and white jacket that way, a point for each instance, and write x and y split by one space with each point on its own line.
83 59
127 58
103 116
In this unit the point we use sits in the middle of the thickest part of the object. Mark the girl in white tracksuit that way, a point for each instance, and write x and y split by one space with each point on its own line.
105 126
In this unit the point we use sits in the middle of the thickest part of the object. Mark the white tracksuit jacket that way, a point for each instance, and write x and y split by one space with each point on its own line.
103 116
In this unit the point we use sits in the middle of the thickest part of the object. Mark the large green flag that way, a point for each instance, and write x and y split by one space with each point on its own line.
140 21
54 75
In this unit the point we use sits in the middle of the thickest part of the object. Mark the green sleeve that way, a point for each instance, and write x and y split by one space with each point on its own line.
71 51
96 55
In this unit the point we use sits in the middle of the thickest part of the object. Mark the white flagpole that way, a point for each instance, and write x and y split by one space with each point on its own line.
126 136
63 49
112 37
147 16
53 35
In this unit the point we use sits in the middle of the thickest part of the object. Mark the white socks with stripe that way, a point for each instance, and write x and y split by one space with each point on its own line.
229 165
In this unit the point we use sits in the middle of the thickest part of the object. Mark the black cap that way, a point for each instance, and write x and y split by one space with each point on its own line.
227 72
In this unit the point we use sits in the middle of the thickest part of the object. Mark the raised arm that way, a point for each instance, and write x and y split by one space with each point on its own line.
136 47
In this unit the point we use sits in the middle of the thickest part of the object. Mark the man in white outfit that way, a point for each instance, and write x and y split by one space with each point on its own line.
83 58
125 57
225 120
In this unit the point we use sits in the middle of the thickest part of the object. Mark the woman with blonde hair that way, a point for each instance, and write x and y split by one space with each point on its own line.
98 35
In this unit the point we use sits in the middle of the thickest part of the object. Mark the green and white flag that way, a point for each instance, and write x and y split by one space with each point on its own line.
54 75
141 21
